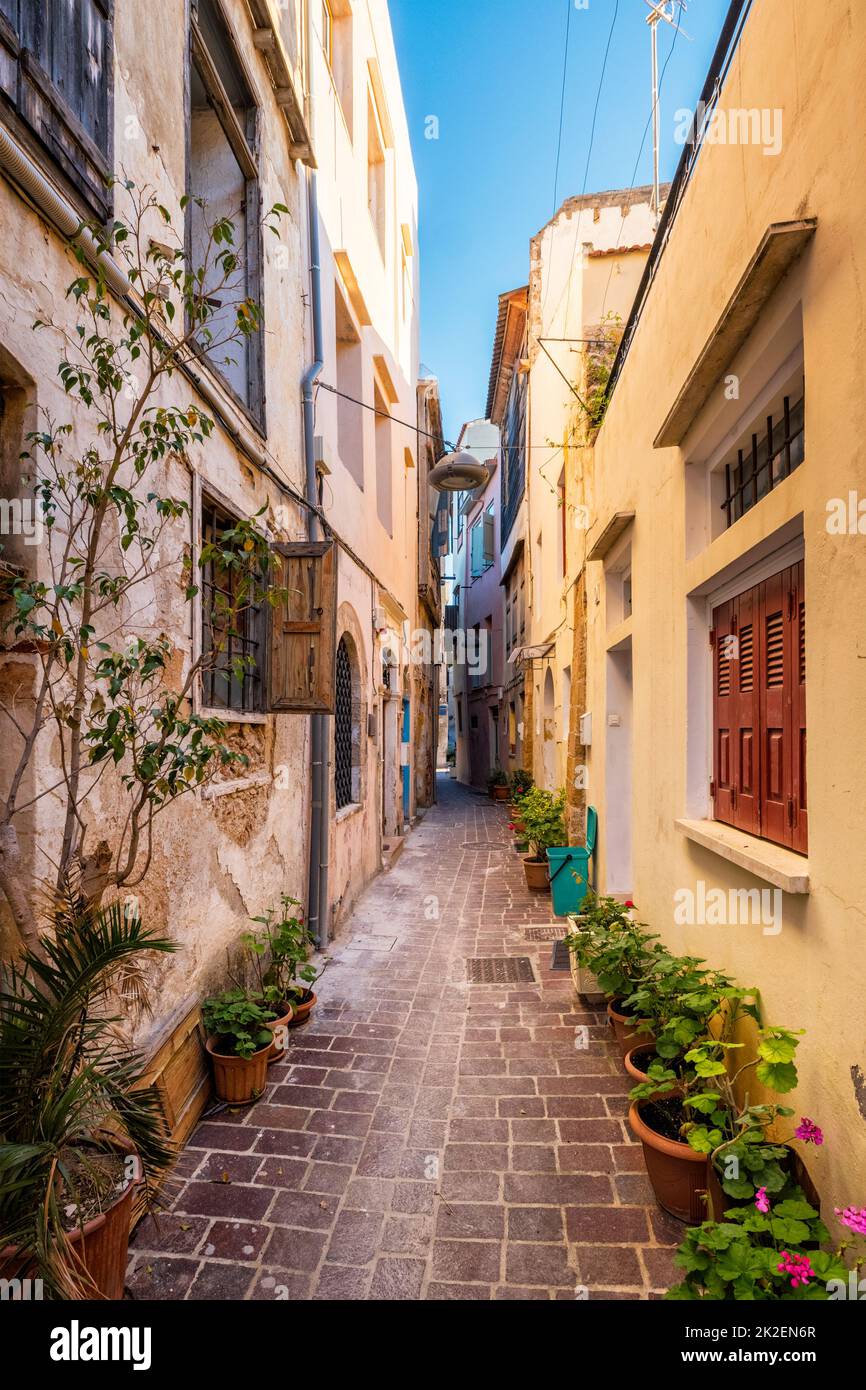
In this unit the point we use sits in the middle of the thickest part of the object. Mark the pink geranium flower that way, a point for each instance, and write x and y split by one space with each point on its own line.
809 1132
854 1218
762 1201
799 1267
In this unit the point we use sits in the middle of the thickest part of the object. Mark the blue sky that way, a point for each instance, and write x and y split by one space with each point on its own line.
490 71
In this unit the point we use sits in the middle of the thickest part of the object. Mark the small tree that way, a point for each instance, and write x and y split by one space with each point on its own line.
104 693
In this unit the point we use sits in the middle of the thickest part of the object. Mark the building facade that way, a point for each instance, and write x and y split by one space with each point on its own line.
725 571
246 102
478 678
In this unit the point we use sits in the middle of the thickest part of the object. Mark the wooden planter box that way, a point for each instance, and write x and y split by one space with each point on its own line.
180 1070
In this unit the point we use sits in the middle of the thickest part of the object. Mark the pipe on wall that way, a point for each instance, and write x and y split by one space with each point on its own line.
20 168
317 886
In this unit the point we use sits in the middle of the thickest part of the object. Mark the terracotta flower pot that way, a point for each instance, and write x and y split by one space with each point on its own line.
238 1080
101 1245
301 1012
678 1174
623 1027
537 877
635 1060
500 793
277 1051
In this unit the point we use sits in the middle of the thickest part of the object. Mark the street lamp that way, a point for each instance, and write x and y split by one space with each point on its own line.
459 471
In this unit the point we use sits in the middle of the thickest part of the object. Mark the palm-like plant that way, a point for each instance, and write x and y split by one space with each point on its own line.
68 1078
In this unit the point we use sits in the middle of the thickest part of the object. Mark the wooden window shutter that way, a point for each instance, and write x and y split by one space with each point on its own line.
489 539
747 713
759 710
800 815
303 630
724 715
776 658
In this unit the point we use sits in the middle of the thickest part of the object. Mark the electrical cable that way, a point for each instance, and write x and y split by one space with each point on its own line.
562 103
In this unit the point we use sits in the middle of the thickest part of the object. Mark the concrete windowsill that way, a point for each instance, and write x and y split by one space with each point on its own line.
772 863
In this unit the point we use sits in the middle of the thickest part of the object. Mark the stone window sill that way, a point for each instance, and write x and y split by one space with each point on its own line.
772 863
237 784
346 811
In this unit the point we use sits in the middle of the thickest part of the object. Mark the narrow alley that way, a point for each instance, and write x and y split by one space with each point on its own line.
428 1138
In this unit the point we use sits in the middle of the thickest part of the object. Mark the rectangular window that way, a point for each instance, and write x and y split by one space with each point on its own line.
759 710
384 462
223 183
764 458
482 552
376 180
513 452
232 643
57 74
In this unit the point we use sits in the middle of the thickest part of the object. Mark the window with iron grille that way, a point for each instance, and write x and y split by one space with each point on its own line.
232 642
343 728
767 456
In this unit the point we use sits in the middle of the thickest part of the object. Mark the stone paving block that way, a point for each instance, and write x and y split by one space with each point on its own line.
424 1138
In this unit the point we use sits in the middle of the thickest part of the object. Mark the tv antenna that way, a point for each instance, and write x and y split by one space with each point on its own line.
666 10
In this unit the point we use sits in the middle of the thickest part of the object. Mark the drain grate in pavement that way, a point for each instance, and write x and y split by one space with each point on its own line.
499 970
544 933
560 956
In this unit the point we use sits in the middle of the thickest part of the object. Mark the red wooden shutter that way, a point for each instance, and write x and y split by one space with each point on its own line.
747 719
759 709
724 714
800 835
775 667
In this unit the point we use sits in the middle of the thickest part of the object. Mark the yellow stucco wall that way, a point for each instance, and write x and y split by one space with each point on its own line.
807 61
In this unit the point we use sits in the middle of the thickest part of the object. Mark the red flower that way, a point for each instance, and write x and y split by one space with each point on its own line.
629 903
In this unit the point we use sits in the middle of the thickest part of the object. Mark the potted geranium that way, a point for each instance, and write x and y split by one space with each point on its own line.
684 1118
543 818
675 1002
80 1134
238 1044
769 1248
621 954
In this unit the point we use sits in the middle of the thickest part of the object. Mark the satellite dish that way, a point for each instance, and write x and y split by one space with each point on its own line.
459 472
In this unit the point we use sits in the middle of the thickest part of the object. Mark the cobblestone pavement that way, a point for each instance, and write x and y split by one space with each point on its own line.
427 1138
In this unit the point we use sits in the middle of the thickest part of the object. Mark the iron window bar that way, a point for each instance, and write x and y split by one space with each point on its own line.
768 461
343 728
222 686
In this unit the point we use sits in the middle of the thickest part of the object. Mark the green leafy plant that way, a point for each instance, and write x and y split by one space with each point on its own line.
68 1080
543 816
122 708
238 1022
497 778
286 939
676 1000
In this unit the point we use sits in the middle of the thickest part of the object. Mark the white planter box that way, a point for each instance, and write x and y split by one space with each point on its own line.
585 983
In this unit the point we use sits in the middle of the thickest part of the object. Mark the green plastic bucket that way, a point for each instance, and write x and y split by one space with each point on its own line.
569 878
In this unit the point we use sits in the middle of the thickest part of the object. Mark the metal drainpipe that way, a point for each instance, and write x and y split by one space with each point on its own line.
317 893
